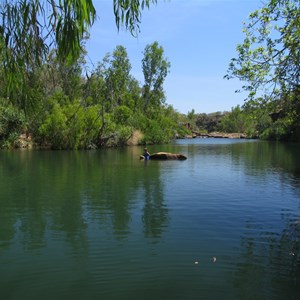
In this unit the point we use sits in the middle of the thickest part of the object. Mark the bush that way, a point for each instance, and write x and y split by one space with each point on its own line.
122 114
92 125
279 130
53 129
12 124
154 133
123 134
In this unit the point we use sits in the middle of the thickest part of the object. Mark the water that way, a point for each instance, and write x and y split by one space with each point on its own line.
224 224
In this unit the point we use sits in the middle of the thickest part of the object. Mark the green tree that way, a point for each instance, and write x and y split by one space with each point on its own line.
155 68
209 122
96 91
12 122
118 77
233 121
268 62
56 76
134 98
110 86
269 58
30 28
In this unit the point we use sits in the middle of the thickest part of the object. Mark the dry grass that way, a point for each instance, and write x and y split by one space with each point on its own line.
135 138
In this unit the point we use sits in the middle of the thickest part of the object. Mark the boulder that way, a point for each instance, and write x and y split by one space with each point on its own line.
166 156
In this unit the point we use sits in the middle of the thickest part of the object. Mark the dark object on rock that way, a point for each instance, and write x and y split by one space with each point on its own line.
165 156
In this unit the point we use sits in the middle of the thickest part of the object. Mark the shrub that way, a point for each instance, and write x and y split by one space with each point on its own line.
12 124
122 114
53 128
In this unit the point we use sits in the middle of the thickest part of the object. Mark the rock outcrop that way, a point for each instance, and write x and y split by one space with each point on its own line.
165 156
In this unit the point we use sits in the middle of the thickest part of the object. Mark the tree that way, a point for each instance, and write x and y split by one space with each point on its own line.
269 58
235 121
209 122
30 28
155 68
268 61
118 76
129 13
56 76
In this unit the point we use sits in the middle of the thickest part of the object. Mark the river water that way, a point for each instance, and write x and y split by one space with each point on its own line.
223 224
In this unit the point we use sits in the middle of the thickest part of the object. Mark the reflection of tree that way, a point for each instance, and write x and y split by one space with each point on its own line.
121 185
155 212
114 196
270 264
264 157
269 267
42 193
19 211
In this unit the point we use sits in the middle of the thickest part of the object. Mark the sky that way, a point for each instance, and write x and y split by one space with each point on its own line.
199 37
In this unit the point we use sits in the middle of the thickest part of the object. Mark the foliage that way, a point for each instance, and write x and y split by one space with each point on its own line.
269 57
155 68
261 121
234 121
123 133
129 13
154 133
121 114
268 62
12 124
42 50
31 28
117 77
208 122
285 118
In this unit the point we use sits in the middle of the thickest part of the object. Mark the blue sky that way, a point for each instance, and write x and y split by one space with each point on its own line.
199 38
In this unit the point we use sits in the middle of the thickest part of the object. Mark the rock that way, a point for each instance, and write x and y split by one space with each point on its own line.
222 135
167 156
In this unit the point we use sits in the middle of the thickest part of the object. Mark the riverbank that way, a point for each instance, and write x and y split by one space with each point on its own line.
235 135
27 141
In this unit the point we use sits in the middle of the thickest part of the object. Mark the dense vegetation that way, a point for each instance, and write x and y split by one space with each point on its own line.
60 108
268 62
46 95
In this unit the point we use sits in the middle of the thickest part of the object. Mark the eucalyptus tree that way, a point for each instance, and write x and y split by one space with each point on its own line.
96 90
118 77
30 28
268 60
134 100
155 69
58 76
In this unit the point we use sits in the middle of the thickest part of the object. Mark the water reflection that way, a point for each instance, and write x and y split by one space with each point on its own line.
154 212
108 222
63 191
269 265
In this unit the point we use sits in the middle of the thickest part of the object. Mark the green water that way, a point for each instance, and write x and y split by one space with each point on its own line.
224 224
